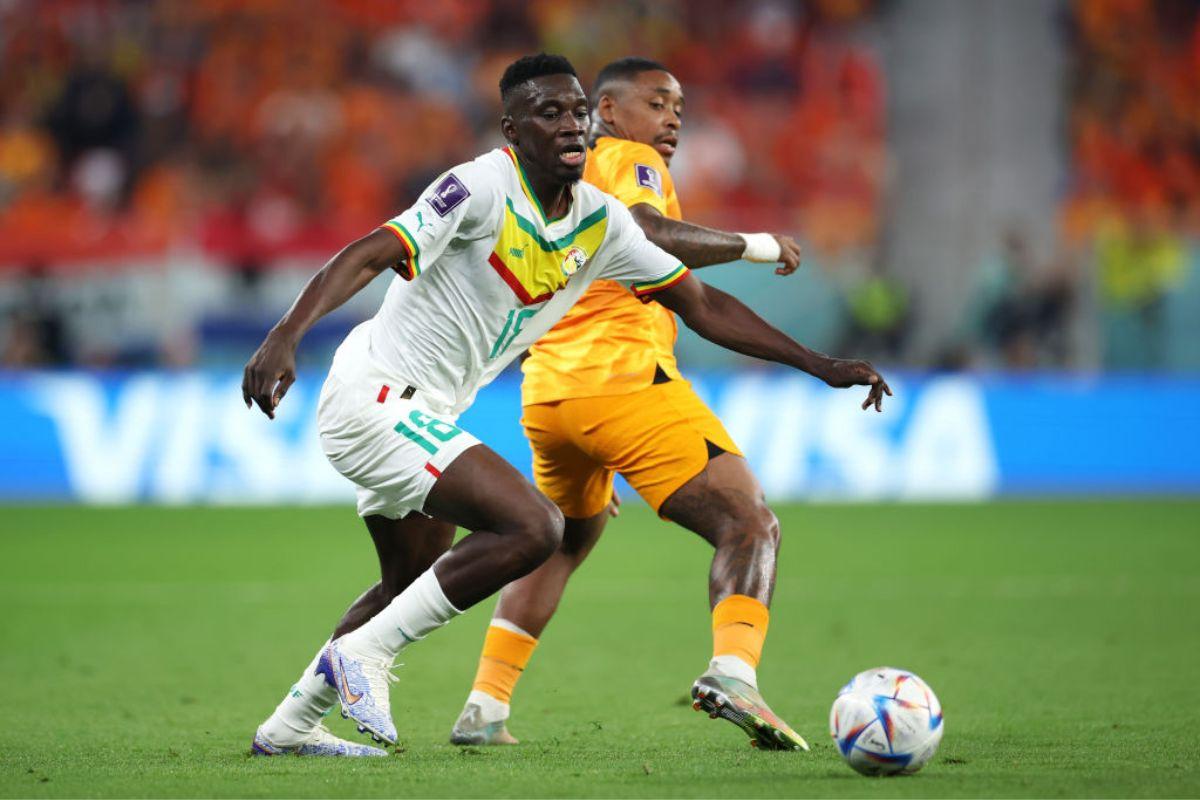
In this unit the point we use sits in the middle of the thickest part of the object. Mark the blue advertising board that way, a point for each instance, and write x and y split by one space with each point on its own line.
187 438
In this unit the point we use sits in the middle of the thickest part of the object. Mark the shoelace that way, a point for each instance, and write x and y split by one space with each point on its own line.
385 668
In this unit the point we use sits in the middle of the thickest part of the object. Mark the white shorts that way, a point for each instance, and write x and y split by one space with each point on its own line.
394 449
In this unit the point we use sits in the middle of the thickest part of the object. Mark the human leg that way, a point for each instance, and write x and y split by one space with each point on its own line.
725 506
678 456
513 529
530 602
406 548
525 607
582 489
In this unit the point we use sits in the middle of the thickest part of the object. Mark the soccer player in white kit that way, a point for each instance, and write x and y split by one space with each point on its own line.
490 256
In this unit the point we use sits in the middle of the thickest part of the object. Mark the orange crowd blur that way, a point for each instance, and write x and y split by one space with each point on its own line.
253 130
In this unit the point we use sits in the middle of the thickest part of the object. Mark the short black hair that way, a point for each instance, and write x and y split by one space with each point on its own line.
526 68
623 69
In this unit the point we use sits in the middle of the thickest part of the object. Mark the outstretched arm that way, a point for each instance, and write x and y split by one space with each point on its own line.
698 246
272 368
726 321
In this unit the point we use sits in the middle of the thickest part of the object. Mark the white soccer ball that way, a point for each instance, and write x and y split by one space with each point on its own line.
886 721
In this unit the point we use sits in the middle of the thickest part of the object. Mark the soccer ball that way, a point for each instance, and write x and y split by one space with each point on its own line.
886 721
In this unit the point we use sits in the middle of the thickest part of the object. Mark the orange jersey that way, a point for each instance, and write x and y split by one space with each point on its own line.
610 342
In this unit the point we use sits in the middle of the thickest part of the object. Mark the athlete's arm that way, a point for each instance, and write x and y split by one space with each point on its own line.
726 321
698 246
272 368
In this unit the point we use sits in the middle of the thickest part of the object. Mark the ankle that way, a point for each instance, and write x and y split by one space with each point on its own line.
734 667
280 733
490 709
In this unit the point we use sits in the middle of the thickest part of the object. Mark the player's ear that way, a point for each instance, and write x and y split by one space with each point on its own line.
509 129
604 108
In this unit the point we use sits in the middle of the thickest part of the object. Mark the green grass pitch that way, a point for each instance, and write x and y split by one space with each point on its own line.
141 647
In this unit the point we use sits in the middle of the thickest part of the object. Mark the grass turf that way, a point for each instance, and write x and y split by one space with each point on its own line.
141 647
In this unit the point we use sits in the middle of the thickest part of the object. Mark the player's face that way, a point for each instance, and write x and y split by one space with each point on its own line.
649 109
548 124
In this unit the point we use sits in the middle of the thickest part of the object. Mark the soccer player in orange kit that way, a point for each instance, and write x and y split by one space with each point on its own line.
602 395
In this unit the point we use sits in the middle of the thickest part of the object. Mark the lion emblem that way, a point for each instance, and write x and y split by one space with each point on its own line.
574 261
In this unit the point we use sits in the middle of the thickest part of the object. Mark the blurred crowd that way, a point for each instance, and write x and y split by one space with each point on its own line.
1134 193
1134 117
263 134
253 129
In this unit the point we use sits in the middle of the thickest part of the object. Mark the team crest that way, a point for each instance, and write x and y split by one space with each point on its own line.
574 261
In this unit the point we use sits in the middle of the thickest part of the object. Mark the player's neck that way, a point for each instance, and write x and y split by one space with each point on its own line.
552 193
602 128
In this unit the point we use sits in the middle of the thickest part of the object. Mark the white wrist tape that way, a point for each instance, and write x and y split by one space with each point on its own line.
760 247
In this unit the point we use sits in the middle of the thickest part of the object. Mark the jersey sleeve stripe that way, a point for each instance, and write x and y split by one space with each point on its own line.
413 268
665 282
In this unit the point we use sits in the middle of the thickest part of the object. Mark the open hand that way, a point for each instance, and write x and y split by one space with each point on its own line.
841 373
269 374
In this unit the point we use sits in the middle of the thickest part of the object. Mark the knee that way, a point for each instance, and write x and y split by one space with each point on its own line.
540 530
755 523
768 526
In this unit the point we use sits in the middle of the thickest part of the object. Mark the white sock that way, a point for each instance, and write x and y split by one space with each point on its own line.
511 627
734 667
301 708
412 615
491 709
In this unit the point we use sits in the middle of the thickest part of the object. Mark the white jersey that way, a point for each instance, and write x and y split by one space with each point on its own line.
488 274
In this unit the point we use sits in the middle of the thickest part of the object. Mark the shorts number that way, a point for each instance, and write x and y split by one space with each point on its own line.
436 428
442 431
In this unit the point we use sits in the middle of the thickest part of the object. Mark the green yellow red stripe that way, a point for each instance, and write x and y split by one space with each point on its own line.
678 274
410 244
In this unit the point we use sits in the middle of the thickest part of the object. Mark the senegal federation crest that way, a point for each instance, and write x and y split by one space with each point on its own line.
575 259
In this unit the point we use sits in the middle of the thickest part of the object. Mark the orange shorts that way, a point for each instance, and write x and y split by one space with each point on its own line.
657 438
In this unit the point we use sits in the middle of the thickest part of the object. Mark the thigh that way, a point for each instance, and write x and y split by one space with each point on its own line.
514 527
725 495
658 438
579 485
482 491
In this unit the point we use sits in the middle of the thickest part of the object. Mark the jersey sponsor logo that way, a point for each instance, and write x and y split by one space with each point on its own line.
574 260
421 223
648 176
447 195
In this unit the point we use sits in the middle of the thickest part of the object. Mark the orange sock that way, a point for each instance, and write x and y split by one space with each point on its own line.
505 654
739 628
